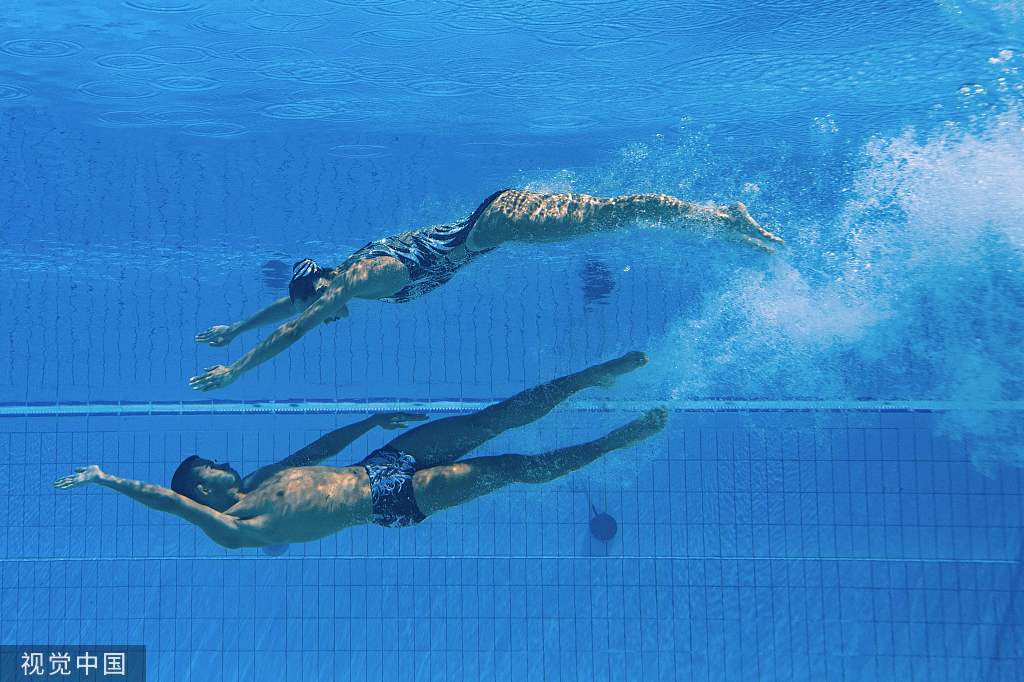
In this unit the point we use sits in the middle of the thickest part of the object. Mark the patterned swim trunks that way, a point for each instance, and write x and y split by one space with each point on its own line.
390 472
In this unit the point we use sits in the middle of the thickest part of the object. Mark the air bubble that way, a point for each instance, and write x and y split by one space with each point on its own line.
1002 57
826 124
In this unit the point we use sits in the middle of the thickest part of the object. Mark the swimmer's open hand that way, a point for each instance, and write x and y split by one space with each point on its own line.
397 420
741 225
217 335
81 476
214 377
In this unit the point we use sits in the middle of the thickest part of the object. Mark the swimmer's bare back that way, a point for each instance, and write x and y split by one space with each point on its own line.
402 267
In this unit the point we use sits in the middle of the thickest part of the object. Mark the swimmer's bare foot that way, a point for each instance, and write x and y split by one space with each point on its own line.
606 373
645 426
742 226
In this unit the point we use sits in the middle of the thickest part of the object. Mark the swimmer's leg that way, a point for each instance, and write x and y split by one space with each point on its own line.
446 440
450 485
521 216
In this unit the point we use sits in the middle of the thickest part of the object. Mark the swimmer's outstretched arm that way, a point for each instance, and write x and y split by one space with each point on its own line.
223 334
331 444
223 529
371 278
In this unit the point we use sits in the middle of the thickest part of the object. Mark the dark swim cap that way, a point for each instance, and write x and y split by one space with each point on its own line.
304 274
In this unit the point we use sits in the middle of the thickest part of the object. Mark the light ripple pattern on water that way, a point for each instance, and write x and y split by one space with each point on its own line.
290 8
359 151
394 9
442 87
178 54
385 73
179 115
164 6
125 119
560 122
307 109
40 48
234 23
186 83
10 93
276 23
315 73
156 116
392 38
273 53
215 129
127 62
116 90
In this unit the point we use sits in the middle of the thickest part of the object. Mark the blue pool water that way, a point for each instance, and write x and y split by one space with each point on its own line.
837 495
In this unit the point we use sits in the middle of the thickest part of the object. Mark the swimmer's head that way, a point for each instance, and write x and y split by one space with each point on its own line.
206 482
308 280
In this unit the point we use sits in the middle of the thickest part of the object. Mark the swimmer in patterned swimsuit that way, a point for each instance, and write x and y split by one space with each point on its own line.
417 474
405 266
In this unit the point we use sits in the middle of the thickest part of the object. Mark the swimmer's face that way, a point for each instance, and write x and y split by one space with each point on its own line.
306 291
319 287
215 482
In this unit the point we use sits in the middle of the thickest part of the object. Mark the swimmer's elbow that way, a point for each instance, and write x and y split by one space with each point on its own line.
238 534
291 331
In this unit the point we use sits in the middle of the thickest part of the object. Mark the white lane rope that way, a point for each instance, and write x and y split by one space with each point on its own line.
523 557
85 409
